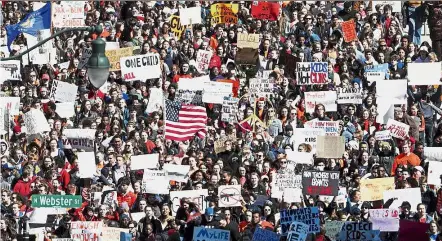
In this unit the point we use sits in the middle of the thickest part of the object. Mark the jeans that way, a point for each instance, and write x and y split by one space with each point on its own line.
429 132
415 24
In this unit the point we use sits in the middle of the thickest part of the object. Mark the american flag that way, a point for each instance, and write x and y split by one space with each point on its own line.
184 121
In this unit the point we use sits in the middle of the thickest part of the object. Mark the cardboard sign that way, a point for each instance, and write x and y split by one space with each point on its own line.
261 87
214 92
113 234
64 92
385 220
12 104
373 189
35 122
398 129
306 136
382 135
434 172
176 27
424 73
177 173
247 56
114 56
333 228
203 60
309 216
86 230
410 230
56 201
198 197
68 14
331 128
246 40
79 139
144 161
349 31
86 164
224 13
433 153
311 73
358 231
86 54
10 70
261 234
320 183
298 231
141 67
210 234
65 110
330 146
155 182
265 10
189 16
283 181
327 98
349 95
229 109
229 196
411 195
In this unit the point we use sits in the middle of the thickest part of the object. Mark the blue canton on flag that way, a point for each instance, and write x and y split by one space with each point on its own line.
172 110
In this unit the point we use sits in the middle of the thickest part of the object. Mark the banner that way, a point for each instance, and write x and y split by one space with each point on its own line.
79 139
261 87
320 183
10 70
113 234
298 231
210 234
114 56
86 164
214 92
265 10
224 13
190 16
229 110
410 230
87 231
311 73
358 231
141 67
385 220
411 195
331 128
68 14
373 189
64 92
261 234
198 197
177 173
35 122
246 40
349 95
203 60
398 129
327 98
330 146
229 196
12 104
309 216
176 27
382 135
144 161
349 31
155 182
433 153
424 73
332 229
306 136
434 172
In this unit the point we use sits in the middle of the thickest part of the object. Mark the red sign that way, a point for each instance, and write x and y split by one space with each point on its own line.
265 10
349 30
412 231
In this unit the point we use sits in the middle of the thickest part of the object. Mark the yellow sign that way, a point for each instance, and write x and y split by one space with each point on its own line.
224 13
115 55
373 189
176 26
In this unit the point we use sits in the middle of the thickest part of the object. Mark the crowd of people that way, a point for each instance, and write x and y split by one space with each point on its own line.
309 31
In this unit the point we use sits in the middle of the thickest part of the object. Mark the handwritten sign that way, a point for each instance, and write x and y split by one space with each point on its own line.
358 231
433 153
113 234
198 197
373 189
176 27
398 129
330 146
385 220
12 104
298 231
332 229
306 136
349 30
224 13
261 234
64 92
79 139
327 98
229 109
261 87
10 70
155 182
382 135
203 60
309 216
411 195
114 56
86 230
320 183
68 14
86 54
210 234
141 67
311 73
214 92
265 10
349 95
190 16
282 181
35 122
229 196
246 40
331 128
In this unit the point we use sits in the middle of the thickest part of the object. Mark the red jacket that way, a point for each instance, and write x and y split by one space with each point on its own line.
23 187
130 198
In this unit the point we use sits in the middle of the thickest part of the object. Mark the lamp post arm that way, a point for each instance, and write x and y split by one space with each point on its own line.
15 57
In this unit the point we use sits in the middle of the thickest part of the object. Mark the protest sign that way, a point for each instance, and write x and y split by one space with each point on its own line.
56 201
385 110
155 182
376 72
358 231
111 46
219 144
190 91
68 14
331 128
224 13
138 216
210 234
295 157
434 172
177 173
176 27
35 122
398 129
64 92
247 56
4 147
144 161
156 100
411 195
214 92
246 40
140 67
333 228
42 54
229 195
189 16
229 109
311 73
349 31
382 135
290 195
109 197
265 10
12 104
373 189
65 110
410 230
433 153
198 197
86 54
393 90
261 234
203 60
385 220
327 98
40 215
87 230
10 70
114 56
320 183
424 73
309 216
113 234
86 164
298 231
330 146
306 136
282 181
375 76
261 87
349 95
396 5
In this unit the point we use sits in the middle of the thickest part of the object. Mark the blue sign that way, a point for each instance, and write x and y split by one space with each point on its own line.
358 231
309 216
376 68
210 234
265 235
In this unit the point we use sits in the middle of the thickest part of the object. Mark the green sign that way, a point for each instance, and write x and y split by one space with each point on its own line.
56 201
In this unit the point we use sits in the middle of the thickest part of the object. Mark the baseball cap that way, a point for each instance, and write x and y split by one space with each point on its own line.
210 211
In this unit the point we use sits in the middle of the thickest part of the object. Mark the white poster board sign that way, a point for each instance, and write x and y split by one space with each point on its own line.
155 182
141 67
64 92
144 161
196 196
214 92
190 16
327 98
86 164
411 195
35 122
424 73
